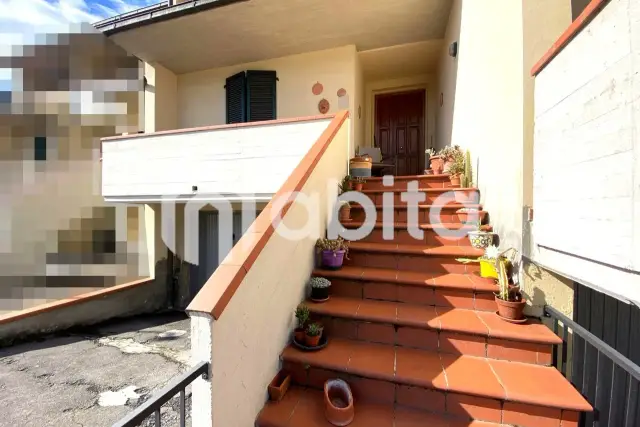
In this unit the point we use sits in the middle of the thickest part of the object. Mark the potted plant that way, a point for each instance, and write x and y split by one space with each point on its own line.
357 183
302 314
319 289
480 239
467 196
456 169
467 175
344 211
487 262
279 385
468 214
313 334
509 298
334 251
448 155
435 161
360 165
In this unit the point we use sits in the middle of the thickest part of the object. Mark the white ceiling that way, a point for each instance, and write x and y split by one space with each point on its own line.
262 29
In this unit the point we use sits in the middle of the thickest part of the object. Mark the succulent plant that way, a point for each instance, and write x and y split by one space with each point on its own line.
333 245
302 314
314 329
319 282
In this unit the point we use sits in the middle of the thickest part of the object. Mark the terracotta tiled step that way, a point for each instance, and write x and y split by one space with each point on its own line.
447 213
496 391
451 290
400 182
413 257
439 196
304 407
454 331
451 234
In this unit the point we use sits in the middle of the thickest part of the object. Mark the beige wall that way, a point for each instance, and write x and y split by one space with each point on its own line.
161 99
201 95
256 324
447 79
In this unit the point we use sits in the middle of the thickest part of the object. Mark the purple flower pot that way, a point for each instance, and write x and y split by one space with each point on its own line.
332 260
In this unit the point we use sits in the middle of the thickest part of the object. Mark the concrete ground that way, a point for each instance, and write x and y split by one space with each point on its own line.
94 376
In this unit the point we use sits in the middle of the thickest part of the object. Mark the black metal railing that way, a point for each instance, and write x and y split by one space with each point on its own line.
605 377
153 405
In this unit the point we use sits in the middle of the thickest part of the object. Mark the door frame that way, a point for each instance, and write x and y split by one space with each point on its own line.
395 91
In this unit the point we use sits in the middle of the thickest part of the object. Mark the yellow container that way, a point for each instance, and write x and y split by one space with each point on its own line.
488 269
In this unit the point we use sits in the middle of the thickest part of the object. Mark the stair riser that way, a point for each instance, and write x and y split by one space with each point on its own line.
421 295
440 198
435 340
402 184
447 216
420 263
454 404
402 237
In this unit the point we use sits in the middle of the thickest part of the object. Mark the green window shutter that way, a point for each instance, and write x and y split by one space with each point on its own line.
261 95
236 89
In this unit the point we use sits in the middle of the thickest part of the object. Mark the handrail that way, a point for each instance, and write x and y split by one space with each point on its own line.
617 358
158 399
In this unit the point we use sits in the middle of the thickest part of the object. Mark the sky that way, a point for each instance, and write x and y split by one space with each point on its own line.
20 20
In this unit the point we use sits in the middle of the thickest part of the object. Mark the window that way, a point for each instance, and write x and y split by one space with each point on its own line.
577 6
40 148
251 96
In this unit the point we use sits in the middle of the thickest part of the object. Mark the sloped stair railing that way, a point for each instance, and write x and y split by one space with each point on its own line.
153 405
608 380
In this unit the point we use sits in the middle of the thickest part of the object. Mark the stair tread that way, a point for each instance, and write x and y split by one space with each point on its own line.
409 177
449 206
304 407
404 225
496 379
439 318
421 190
471 282
444 250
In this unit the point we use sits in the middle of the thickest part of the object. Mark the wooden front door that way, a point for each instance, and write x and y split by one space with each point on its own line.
399 130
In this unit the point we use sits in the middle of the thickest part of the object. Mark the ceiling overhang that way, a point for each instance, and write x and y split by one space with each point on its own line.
254 30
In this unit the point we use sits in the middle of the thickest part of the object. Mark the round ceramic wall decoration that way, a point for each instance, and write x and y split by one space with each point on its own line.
342 92
317 88
323 106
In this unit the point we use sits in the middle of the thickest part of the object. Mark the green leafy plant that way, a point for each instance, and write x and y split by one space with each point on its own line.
319 282
302 314
344 185
457 167
314 329
448 153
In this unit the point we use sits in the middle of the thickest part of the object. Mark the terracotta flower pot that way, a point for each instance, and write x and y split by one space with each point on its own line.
511 310
357 186
428 171
455 180
299 335
312 341
436 165
338 402
279 385
344 214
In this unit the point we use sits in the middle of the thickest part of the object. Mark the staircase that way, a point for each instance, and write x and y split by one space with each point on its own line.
415 335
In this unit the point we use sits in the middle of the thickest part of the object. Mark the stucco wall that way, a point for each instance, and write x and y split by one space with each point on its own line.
201 95
251 161
160 99
587 155
256 324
